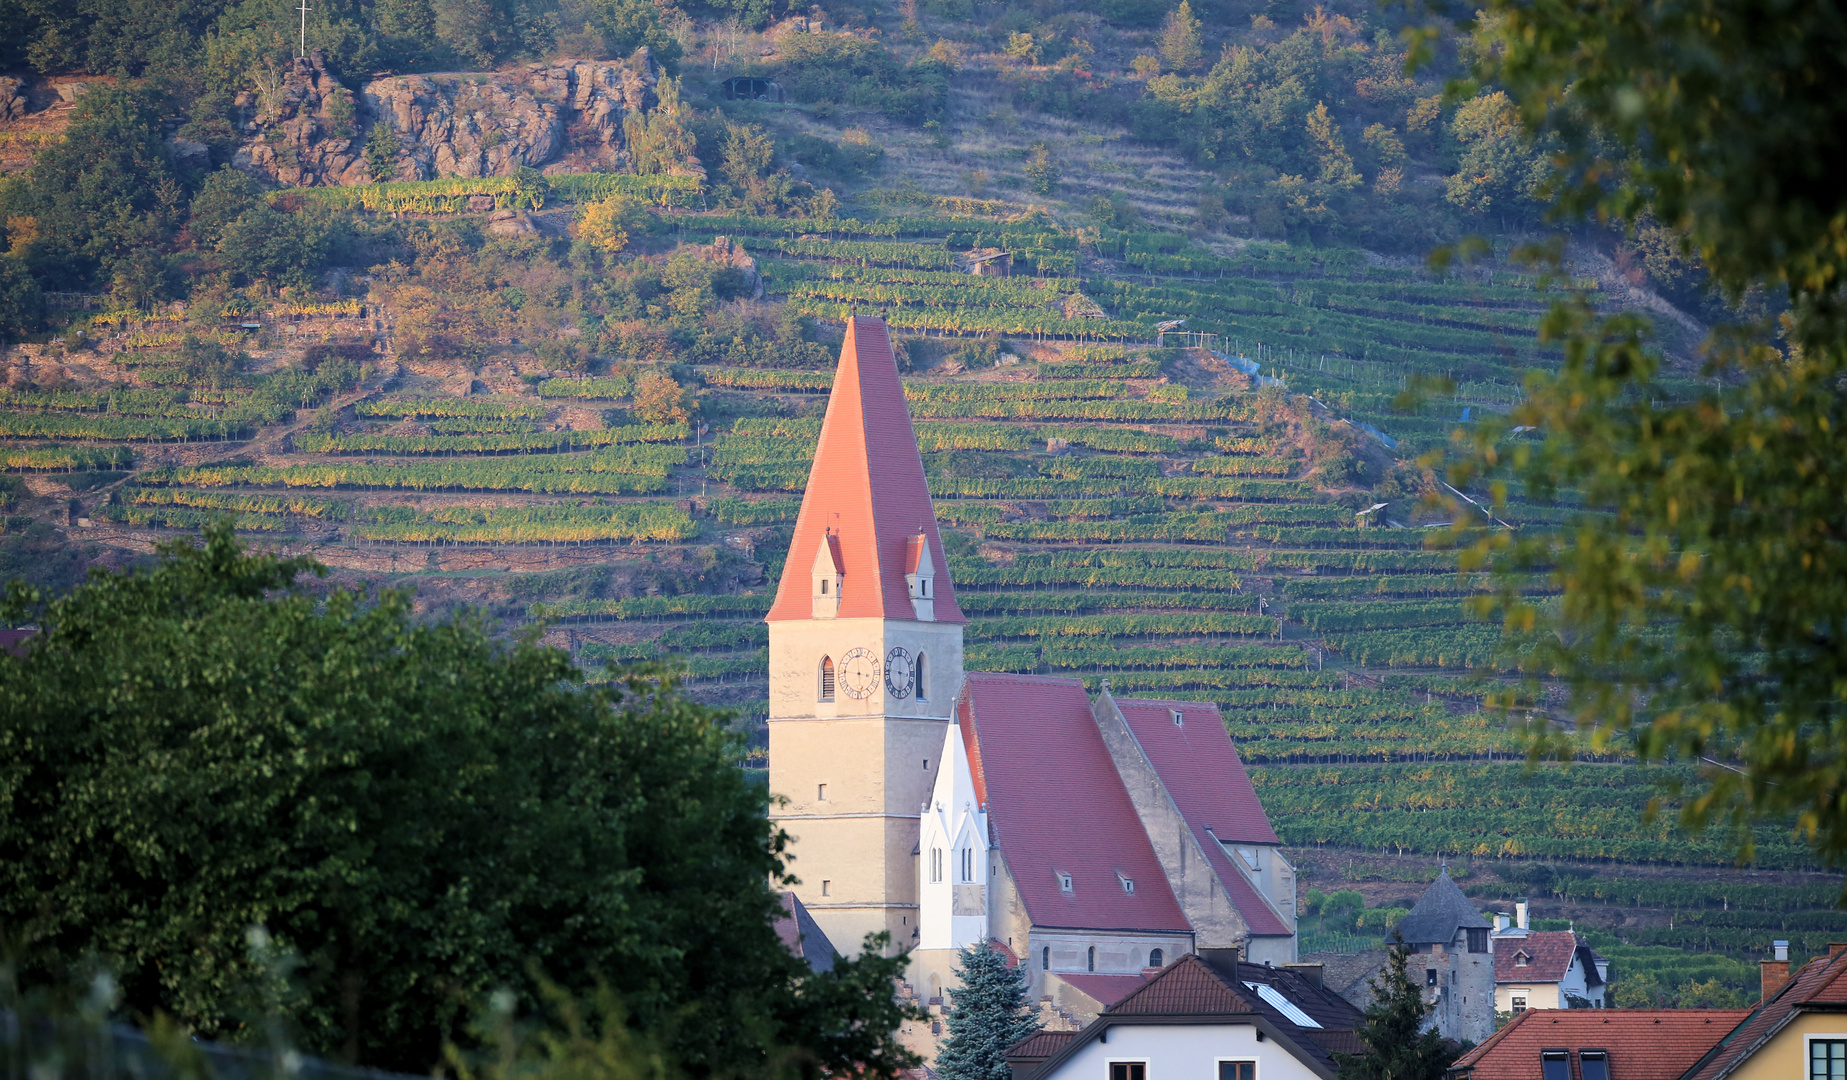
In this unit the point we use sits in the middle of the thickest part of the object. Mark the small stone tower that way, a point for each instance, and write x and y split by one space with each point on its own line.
1452 952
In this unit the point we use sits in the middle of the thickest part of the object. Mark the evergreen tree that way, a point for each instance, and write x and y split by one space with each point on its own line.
987 1015
1181 45
1396 1047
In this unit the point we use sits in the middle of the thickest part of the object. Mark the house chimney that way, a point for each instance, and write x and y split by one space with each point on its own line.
1500 923
1774 974
1311 972
1223 961
1520 913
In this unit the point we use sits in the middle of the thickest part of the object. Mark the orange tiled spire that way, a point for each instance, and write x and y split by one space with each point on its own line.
867 490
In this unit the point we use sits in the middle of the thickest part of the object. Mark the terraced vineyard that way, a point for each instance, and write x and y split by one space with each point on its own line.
1156 518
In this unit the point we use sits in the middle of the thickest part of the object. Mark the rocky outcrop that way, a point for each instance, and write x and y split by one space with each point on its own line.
731 254
304 131
562 117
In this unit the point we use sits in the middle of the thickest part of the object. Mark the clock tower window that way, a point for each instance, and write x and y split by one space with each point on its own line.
827 678
923 679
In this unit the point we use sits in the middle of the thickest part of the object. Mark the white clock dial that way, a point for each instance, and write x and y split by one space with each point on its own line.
899 672
859 673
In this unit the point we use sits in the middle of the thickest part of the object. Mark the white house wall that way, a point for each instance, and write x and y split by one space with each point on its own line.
1182 1052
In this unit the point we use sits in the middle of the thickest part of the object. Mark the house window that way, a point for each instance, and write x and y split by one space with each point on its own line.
1128 1070
1045 958
1128 884
1154 958
1178 717
922 678
968 864
827 678
1430 976
820 793
1090 964
1555 1065
827 887
936 864
1594 1065
1828 1059
1237 1070
1517 1003
1478 939
1521 959
823 586
1064 882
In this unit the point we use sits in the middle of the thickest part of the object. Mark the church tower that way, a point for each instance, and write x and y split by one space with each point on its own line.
865 657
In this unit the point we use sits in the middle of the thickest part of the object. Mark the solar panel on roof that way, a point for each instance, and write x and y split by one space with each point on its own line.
1283 1005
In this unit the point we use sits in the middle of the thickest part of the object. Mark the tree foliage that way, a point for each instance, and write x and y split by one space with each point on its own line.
1708 609
988 1013
418 812
1396 1046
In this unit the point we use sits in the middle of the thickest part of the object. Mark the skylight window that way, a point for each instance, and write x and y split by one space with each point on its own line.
1594 1064
1179 718
1275 999
1064 881
1555 1065
1128 883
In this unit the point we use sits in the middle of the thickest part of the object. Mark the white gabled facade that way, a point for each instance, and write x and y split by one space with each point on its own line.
953 856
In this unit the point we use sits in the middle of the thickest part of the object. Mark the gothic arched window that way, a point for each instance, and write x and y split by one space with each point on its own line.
827 678
923 679
1154 958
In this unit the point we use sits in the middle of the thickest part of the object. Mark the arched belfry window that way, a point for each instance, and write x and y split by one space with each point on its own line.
1091 963
1154 958
923 678
827 678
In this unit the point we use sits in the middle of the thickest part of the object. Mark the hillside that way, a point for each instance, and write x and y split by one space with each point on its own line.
568 366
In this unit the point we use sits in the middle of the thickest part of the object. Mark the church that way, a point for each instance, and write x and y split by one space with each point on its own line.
1092 838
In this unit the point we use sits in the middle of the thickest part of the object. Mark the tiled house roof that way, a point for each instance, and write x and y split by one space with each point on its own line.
1820 984
1643 1044
867 489
1439 913
1193 989
1057 806
1548 956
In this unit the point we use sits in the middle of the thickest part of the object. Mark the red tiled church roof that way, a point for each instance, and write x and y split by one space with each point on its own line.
1200 767
1056 805
867 488
1203 773
1643 1044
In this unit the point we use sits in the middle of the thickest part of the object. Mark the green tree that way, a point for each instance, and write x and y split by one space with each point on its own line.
1498 168
1707 612
1337 171
660 400
1181 46
205 361
1396 1047
627 25
22 305
272 246
421 813
1041 171
382 152
222 198
96 193
987 1014
1640 990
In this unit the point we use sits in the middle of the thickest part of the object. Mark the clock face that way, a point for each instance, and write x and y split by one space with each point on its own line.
859 673
899 672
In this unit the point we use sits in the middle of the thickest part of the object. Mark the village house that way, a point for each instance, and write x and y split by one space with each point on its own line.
1208 1016
1547 969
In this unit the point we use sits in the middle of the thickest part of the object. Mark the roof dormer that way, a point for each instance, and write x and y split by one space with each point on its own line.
920 577
829 577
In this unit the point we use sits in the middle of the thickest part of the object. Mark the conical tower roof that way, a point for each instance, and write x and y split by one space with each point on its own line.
867 492
1439 913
